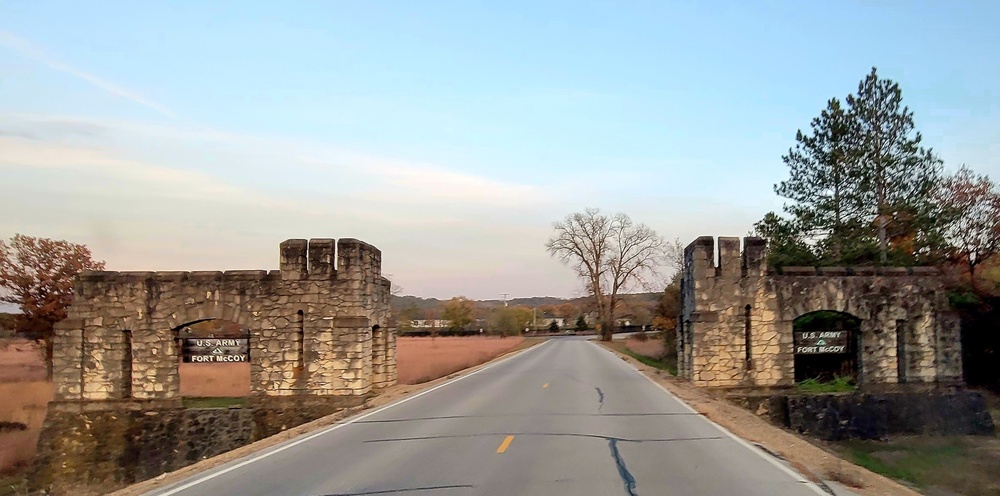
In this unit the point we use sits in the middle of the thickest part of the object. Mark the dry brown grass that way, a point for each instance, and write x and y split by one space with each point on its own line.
420 360
21 360
25 394
215 379
652 347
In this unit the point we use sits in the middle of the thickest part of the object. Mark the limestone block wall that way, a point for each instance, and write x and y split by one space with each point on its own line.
311 325
737 315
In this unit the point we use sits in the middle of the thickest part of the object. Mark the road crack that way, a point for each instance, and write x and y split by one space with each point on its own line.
600 398
627 479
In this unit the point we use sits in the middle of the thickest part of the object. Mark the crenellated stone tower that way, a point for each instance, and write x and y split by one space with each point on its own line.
317 326
736 323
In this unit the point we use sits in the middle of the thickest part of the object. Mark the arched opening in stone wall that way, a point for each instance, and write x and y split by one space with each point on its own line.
826 345
214 359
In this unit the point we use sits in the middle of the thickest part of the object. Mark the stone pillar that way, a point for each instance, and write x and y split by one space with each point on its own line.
274 356
730 258
103 359
354 345
754 256
322 259
67 360
379 336
391 377
878 352
948 347
156 358
699 258
293 264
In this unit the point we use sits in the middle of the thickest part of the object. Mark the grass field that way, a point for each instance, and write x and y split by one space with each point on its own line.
425 359
965 465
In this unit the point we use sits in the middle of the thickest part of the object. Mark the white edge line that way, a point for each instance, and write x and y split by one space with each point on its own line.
332 428
759 452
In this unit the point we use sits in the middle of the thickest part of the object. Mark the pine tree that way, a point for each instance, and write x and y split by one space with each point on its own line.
823 181
898 176
785 246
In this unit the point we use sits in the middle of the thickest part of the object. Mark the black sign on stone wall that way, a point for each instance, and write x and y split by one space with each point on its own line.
820 342
215 341
216 350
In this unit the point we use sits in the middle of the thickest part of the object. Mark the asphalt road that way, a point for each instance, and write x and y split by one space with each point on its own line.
565 417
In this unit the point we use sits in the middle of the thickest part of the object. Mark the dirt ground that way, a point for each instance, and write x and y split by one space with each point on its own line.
215 379
21 360
812 460
25 395
422 359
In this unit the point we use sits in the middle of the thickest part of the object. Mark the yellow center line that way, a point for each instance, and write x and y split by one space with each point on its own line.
545 385
505 444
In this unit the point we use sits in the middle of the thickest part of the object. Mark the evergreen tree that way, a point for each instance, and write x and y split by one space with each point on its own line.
823 181
898 176
785 244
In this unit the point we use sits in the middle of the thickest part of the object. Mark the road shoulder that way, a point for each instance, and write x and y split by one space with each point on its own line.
805 456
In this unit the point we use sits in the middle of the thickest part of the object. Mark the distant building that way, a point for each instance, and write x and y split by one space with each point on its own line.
431 323
625 320
546 320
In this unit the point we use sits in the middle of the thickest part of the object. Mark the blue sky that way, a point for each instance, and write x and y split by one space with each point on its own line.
449 134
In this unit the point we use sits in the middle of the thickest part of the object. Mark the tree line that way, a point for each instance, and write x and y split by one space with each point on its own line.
460 314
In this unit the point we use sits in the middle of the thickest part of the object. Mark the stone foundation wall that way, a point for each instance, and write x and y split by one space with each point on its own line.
737 314
272 415
98 447
111 448
874 415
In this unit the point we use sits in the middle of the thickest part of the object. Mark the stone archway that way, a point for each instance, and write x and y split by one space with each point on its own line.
826 346
215 359
739 318
311 320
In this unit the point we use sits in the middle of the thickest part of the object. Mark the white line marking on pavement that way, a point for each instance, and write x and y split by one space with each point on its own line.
350 421
768 458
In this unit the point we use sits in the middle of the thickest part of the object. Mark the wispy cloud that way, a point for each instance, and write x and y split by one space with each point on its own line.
154 196
392 180
417 180
28 50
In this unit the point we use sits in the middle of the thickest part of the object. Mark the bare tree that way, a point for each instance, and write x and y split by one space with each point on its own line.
673 253
612 254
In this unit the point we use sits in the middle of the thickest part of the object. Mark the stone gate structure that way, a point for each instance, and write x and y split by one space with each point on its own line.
736 323
318 341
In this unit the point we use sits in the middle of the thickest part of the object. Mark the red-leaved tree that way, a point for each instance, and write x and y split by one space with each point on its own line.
973 205
37 275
